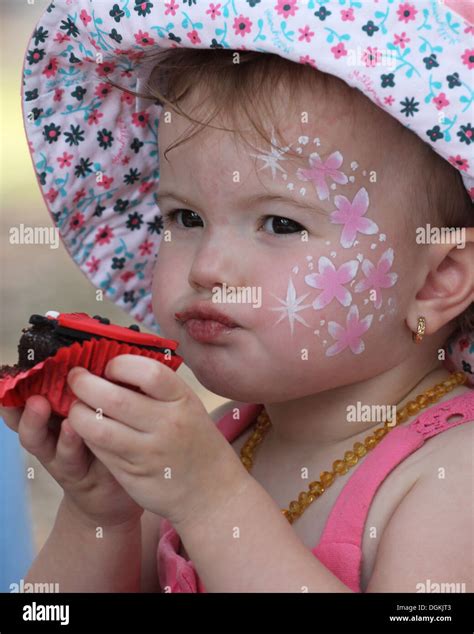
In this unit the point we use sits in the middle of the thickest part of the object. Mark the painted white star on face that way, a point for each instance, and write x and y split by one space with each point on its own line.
291 306
272 157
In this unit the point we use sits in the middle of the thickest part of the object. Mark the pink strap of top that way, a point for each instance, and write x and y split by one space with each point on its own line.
340 546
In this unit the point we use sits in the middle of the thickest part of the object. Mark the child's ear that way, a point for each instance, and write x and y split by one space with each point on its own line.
448 288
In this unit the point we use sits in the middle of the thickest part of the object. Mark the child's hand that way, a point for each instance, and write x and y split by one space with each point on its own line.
90 490
162 446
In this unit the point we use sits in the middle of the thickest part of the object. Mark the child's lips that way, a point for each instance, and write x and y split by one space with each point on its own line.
204 323
207 330
205 312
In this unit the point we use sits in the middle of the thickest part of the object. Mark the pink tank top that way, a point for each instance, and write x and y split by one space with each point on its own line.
340 546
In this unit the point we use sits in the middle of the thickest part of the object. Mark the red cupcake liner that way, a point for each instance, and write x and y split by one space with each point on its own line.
49 377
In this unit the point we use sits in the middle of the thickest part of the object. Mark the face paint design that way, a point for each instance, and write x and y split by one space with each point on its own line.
291 306
377 277
350 336
331 281
350 215
272 157
320 170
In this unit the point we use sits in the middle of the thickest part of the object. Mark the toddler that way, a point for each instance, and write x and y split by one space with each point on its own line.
300 272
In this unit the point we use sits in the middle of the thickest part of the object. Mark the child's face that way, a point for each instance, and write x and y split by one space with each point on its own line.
326 284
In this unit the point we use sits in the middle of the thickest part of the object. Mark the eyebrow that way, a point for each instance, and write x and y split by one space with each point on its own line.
254 199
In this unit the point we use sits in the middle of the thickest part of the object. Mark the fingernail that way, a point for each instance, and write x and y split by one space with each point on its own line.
31 407
76 371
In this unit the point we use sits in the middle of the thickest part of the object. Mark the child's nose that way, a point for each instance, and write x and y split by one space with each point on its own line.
219 259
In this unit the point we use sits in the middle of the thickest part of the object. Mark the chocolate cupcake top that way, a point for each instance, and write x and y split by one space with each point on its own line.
54 330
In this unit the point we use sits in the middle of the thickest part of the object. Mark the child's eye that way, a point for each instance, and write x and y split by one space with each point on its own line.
280 225
188 215
285 224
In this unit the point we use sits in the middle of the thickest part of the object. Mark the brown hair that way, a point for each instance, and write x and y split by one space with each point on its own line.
246 83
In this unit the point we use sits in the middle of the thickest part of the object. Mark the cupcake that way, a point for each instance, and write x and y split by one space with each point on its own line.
57 342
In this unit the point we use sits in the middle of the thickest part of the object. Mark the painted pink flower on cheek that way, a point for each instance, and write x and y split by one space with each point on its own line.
377 277
331 282
350 215
350 336
320 170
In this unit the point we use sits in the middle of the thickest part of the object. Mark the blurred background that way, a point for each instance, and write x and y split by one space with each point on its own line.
33 279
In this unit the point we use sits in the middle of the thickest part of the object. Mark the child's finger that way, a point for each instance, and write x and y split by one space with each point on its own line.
71 453
11 416
34 433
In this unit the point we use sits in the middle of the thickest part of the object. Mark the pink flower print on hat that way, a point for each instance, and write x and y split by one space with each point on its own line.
350 335
459 162
468 58
377 277
406 12
320 169
331 282
350 215
441 101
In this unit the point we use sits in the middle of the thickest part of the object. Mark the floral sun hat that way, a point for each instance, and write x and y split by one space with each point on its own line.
77 124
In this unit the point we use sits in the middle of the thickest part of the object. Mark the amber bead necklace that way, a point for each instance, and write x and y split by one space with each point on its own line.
351 458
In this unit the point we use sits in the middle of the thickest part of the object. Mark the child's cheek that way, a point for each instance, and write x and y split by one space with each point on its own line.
169 276
334 299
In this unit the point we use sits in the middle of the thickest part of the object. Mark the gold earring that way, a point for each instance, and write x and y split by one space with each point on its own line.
420 330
